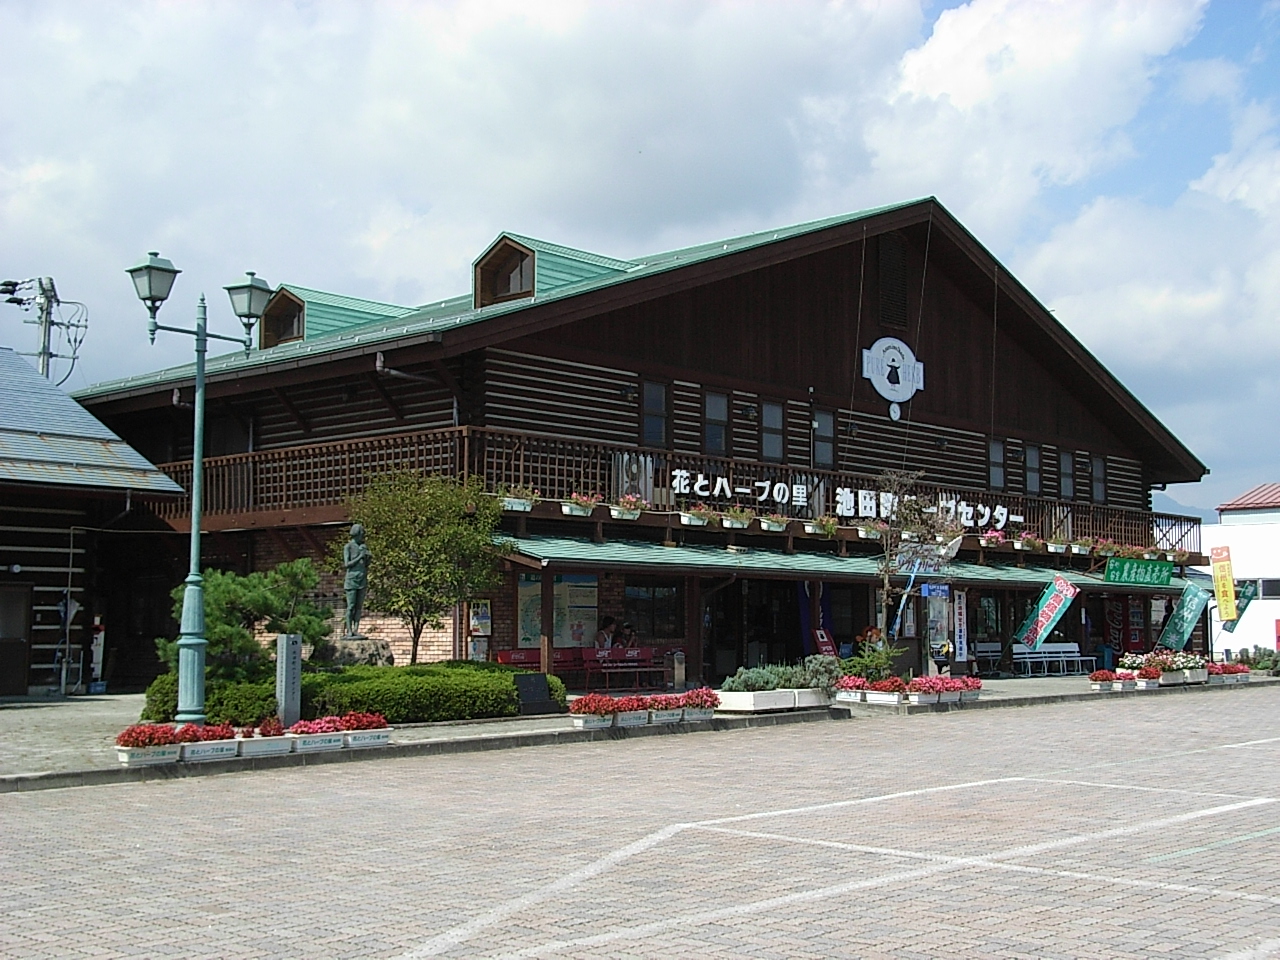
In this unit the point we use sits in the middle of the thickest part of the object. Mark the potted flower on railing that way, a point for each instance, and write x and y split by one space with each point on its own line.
147 744
992 538
888 691
1081 546
1027 540
628 507
737 517
1102 680
593 712
270 739
580 504
774 523
700 704
1056 546
1148 678
970 688
699 515
824 526
362 730
1177 556
1105 547
875 530
631 712
665 708
519 498
850 689
1131 551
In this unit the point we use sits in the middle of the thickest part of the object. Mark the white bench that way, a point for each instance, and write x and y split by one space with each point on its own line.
1060 659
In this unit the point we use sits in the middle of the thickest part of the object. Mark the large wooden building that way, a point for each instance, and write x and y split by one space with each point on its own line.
783 371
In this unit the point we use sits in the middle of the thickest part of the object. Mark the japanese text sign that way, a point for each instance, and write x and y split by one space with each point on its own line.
1147 573
1048 611
1224 585
1183 618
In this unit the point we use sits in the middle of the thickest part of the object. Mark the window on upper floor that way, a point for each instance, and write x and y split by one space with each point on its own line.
1270 589
1067 475
715 424
653 427
995 464
772 432
1031 461
824 438
1099 479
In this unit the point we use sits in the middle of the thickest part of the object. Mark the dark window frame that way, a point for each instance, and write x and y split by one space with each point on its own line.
816 438
644 414
997 467
1066 474
1028 471
780 431
1098 478
632 598
726 424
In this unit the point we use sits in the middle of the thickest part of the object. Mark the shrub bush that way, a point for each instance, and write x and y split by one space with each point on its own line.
750 680
237 703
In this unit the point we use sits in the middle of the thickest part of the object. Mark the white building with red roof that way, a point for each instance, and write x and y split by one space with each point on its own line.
1250 526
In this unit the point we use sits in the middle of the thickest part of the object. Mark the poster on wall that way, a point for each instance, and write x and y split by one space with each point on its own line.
482 618
961 627
575 610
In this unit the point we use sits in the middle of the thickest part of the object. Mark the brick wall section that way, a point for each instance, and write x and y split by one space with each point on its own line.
610 589
503 600
433 645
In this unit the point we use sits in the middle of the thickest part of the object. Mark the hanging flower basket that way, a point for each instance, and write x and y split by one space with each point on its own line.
693 520
1079 550
729 523
773 524
621 513
517 504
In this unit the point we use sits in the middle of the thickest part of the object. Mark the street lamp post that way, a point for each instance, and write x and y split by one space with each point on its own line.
153 280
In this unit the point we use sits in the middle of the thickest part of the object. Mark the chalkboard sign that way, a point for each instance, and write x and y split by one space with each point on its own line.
534 694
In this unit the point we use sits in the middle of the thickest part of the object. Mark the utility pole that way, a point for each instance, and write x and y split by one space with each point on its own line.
42 294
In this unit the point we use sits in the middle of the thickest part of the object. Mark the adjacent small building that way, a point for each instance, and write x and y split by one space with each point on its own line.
776 375
1250 526
66 483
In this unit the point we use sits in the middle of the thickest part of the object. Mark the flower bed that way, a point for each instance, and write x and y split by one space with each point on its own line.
214 741
1102 680
596 710
887 692
851 689
148 744
970 688
270 740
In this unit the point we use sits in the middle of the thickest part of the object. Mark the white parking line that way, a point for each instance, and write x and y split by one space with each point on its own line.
1132 786
1268 948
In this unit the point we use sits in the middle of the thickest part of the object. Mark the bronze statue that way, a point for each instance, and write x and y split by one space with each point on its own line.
355 557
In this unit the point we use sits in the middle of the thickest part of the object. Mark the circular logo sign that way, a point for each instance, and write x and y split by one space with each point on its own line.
893 369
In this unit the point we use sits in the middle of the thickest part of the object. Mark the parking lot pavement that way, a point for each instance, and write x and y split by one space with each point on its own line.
1128 828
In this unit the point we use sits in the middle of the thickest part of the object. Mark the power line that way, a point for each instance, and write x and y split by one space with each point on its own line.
61 330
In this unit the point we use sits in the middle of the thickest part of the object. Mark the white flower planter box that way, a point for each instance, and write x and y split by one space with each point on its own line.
991 542
813 529
731 524
361 739
1123 685
868 533
1170 557
1196 676
264 746
698 714
773 526
922 698
591 721
689 520
149 756
949 696
1056 547
1021 545
622 513
811 697
631 718
317 742
1103 686
1173 678
1079 550
517 504
666 716
210 750
756 701
850 696
1243 677
575 509
1148 684
1151 555
883 699
1217 678
968 696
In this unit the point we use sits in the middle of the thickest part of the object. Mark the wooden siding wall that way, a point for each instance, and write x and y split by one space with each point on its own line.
549 395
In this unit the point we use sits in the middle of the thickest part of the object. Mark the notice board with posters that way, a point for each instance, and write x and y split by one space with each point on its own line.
575 610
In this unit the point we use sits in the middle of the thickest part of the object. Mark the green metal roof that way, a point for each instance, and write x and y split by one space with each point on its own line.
570 273
328 313
709 560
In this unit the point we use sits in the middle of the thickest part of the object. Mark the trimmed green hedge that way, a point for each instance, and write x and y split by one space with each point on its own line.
452 690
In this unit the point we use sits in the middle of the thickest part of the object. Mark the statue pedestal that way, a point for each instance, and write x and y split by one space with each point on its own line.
353 651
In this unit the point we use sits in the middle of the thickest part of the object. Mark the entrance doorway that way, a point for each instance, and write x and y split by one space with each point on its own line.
752 622
15 639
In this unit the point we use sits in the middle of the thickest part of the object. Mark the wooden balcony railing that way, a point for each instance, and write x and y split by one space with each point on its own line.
328 474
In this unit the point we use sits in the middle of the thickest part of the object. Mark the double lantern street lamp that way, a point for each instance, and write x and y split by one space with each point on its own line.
153 279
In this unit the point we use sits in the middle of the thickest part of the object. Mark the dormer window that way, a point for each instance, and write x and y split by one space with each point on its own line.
505 272
282 321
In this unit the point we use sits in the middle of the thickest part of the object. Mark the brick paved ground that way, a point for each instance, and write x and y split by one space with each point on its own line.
1131 828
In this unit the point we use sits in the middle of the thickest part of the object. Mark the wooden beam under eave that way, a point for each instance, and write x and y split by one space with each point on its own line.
313 541
381 391
447 378
294 412
278 538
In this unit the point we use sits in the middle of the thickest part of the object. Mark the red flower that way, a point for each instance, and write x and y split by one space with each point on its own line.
596 704
217 731
1102 676
702 698
271 727
889 685
188 733
147 735
1149 673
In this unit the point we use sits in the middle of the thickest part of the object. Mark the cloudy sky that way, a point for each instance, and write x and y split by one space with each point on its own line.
1121 157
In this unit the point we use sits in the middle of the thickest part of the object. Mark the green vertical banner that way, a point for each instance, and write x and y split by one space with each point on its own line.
1245 596
1183 619
1053 603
